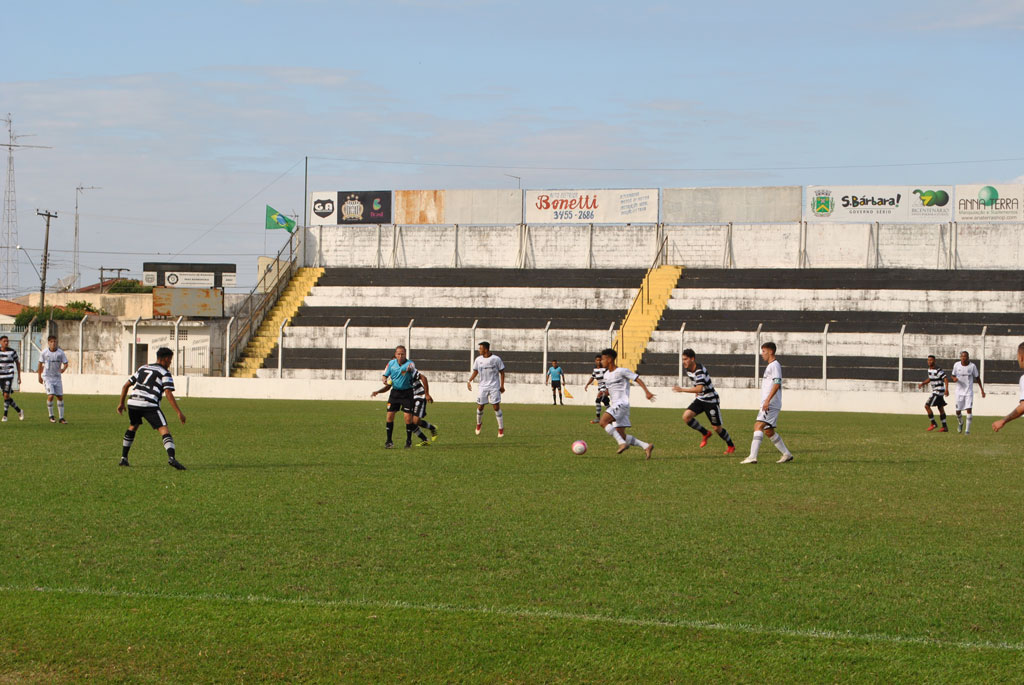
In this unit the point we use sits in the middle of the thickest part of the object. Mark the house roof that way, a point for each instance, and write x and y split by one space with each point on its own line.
8 308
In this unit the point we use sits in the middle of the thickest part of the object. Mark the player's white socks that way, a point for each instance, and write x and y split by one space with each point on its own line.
755 444
610 430
636 442
49 409
479 416
60 409
969 417
501 420
781 446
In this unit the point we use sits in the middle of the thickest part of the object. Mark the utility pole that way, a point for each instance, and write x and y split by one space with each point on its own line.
46 258
104 269
74 268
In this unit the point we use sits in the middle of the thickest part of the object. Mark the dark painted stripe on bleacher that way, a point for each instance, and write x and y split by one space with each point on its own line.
458 317
484 278
857 279
935 323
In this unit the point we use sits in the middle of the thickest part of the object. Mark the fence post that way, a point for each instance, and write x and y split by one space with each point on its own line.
472 346
280 346
26 338
408 340
544 365
611 334
824 358
903 331
135 341
177 357
984 333
227 348
757 354
81 342
344 350
681 329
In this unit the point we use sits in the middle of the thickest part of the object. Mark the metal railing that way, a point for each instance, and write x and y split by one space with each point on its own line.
261 298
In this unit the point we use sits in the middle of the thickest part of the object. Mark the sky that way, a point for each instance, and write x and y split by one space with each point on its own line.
191 117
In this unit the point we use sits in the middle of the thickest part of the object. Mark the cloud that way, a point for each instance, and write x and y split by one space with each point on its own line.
979 14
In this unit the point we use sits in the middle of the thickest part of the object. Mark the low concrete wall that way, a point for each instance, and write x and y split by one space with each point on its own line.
1000 400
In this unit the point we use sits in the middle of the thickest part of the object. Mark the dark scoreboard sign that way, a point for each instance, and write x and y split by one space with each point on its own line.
190 275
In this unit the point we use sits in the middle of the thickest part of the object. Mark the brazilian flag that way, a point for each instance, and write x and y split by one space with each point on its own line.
276 219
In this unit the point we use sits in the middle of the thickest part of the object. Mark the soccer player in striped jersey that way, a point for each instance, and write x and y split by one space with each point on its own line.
1018 411
150 384
9 363
707 401
616 420
939 381
597 375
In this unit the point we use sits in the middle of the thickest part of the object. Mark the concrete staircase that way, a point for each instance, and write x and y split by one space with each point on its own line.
642 318
263 342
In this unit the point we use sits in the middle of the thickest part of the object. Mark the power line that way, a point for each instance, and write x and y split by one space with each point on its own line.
670 169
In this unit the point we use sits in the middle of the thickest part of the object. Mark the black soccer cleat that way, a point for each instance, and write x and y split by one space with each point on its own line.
123 462
408 445
62 421
388 445
53 420
176 464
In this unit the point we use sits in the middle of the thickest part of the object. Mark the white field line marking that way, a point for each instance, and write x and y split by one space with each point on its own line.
741 628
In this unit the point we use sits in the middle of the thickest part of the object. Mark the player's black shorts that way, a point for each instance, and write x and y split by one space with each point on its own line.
155 417
602 396
400 400
6 384
712 409
556 384
419 407
936 401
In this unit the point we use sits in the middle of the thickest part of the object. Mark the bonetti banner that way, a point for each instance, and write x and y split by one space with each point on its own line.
628 206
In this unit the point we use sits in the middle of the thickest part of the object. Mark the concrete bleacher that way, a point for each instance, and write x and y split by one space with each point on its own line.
865 310
510 308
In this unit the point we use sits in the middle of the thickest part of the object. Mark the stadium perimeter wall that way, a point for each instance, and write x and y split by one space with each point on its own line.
806 244
1001 398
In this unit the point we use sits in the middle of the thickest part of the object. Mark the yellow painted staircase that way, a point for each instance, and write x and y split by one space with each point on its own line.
262 343
643 317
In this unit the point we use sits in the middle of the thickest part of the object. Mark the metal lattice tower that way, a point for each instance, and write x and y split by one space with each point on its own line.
10 279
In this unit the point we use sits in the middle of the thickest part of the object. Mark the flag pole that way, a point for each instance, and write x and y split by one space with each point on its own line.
305 191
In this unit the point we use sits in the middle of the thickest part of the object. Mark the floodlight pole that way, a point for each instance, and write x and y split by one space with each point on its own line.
46 248
74 268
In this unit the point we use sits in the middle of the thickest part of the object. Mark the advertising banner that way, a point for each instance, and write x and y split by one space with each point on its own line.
997 202
721 205
470 207
350 207
891 204
629 206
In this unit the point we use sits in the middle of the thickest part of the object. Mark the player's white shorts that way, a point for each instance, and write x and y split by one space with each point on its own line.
964 401
619 412
53 386
492 396
771 417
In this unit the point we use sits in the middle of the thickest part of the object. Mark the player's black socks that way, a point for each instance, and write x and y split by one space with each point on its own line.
426 424
169 445
597 410
933 421
419 434
7 403
391 429
724 435
695 425
126 444
408 433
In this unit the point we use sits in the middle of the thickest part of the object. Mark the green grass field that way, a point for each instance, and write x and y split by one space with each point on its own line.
295 548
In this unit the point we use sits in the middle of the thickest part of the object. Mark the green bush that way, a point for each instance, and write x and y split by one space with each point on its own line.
73 311
127 285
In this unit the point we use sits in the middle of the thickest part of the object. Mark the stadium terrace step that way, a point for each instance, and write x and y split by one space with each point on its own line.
483 278
846 279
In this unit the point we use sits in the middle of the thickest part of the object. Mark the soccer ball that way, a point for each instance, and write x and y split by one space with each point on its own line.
579 447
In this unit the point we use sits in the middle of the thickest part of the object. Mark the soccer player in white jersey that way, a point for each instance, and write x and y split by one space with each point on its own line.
940 391
52 363
597 375
150 384
965 373
1018 411
615 421
491 370
771 404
